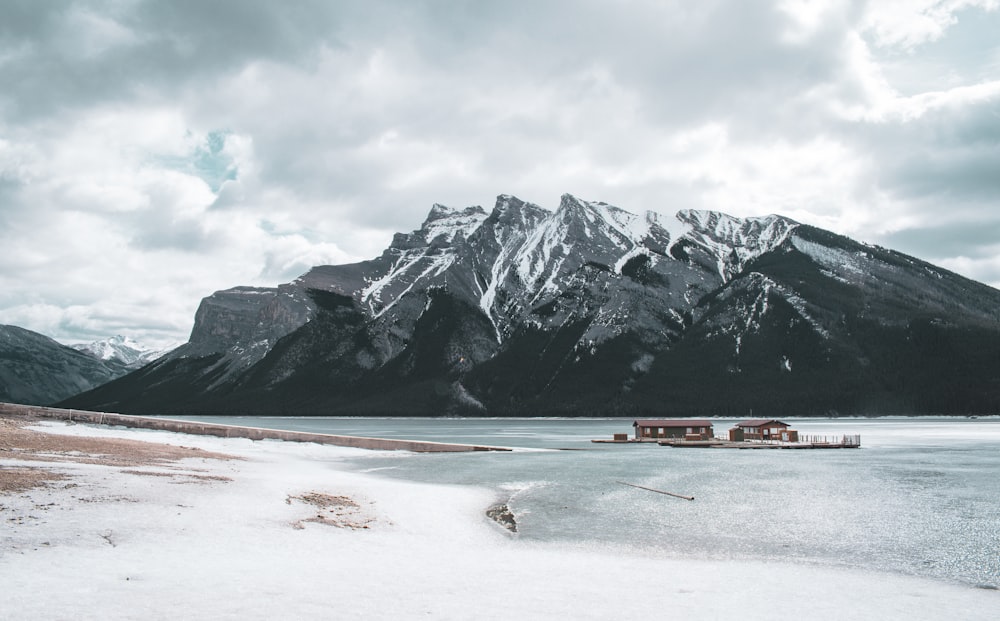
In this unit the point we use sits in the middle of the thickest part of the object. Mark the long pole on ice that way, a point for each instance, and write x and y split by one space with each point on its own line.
658 491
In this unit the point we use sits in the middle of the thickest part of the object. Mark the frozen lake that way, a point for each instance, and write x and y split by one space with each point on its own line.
919 498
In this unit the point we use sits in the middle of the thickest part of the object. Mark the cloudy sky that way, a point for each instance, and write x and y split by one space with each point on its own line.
154 152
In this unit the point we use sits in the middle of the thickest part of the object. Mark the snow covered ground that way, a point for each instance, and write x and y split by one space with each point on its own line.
288 531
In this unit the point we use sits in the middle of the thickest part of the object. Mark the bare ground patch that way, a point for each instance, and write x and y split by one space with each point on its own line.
18 479
339 511
180 477
17 442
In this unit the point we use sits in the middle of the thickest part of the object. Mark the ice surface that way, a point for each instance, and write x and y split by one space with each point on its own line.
144 547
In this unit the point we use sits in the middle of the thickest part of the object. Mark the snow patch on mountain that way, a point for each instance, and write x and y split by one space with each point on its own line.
512 222
629 255
410 269
677 227
448 224
749 316
735 241
422 255
122 349
844 264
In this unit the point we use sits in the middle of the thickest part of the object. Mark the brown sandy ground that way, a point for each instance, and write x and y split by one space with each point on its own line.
37 480
27 446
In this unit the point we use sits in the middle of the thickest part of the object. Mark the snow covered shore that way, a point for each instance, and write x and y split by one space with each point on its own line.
287 530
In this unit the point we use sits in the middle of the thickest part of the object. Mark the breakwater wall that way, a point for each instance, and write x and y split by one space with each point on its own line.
235 431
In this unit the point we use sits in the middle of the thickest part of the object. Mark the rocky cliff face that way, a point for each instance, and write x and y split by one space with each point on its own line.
590 310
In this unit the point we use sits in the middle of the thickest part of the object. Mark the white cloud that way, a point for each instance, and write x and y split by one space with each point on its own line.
809 17
907 24
874 100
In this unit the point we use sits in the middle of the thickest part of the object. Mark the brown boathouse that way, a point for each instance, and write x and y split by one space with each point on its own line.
762 429
688 429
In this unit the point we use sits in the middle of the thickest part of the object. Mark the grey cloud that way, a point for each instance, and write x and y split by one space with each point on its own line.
173 44
26 20
9 190
948 158
960 175
159 229
944 240
945 168
187 236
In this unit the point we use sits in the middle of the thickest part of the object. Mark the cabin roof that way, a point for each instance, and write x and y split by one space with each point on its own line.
759 422
673 422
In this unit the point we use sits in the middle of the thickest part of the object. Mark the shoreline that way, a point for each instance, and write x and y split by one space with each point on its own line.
236 431
263 529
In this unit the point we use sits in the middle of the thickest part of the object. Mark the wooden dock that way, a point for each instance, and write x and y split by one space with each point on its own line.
805 442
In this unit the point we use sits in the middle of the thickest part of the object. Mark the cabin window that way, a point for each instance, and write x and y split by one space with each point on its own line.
689 430
661 431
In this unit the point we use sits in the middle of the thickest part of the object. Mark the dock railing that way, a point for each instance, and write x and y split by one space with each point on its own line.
847 440
844 440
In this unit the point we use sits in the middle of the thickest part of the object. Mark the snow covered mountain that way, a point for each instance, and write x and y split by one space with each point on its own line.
121 349
36 370
590 310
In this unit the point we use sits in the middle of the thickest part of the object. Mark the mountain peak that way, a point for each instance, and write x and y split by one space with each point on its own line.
509 208
568 199
439 211
451 222
443 212
506 200
568 202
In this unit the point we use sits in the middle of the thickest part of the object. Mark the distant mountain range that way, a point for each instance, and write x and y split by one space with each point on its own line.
589 310
121 349
36 370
